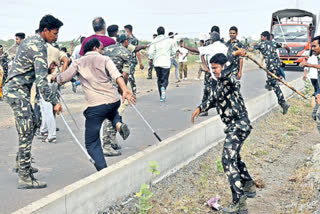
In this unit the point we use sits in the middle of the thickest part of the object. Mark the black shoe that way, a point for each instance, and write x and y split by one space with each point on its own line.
149 78
268 87
124 131
116 146
57 129
285 108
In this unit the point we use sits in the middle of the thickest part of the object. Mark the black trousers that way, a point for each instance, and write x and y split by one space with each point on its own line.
94 118
163 77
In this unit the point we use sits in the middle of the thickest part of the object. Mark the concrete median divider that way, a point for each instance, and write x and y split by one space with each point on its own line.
100 190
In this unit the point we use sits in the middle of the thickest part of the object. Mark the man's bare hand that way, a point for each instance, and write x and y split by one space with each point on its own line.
128 95
318 99
141 66
195 114
239 75
57 108
240 52
304 77
303 64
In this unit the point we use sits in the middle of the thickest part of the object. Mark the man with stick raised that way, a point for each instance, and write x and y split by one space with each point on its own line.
268 50
227 99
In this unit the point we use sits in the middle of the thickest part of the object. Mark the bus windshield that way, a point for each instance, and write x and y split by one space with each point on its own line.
292 33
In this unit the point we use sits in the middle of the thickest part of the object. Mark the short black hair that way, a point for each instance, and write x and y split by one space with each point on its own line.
181 41
234 28
170 33
316 38
155 35
271 35
21 35
129 27
98 24
64 49
49 22
1 46
160 30
266 34
202 41
94 42
82 38
112 33
215 28
219 58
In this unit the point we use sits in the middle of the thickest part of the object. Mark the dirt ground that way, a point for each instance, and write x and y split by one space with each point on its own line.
278 155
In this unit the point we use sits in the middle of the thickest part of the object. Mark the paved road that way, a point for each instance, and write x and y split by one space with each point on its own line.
63 163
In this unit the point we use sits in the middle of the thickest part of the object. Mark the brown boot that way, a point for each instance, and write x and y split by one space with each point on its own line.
28 181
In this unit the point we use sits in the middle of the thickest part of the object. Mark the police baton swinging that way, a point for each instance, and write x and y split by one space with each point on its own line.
146 122
76 139
273 75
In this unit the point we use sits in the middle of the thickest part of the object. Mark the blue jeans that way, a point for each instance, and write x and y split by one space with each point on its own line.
94 118
176 65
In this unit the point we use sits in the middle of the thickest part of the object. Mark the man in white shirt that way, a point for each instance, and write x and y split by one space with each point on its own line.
76 50
215 47
312 73
160 53
183 61
316 49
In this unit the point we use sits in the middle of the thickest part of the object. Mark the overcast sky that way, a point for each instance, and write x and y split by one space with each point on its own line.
186 17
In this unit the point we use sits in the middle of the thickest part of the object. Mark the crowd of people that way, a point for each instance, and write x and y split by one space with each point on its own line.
103 65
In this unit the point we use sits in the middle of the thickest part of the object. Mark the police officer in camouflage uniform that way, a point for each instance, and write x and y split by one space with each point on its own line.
237 61
268 50
228 101
121 54
4 63
30 66
133 61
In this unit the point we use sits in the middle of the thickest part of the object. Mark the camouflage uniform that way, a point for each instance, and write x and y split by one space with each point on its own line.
30 66
121 57
208 84
4 63
133 63
268 50
227 99
235 59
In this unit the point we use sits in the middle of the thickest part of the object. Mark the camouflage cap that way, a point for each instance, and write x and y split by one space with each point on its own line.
122 36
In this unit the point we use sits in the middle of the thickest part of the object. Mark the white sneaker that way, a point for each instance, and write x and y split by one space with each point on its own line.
185 78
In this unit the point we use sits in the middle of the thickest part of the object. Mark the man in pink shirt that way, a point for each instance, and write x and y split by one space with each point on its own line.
97 74
99 27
